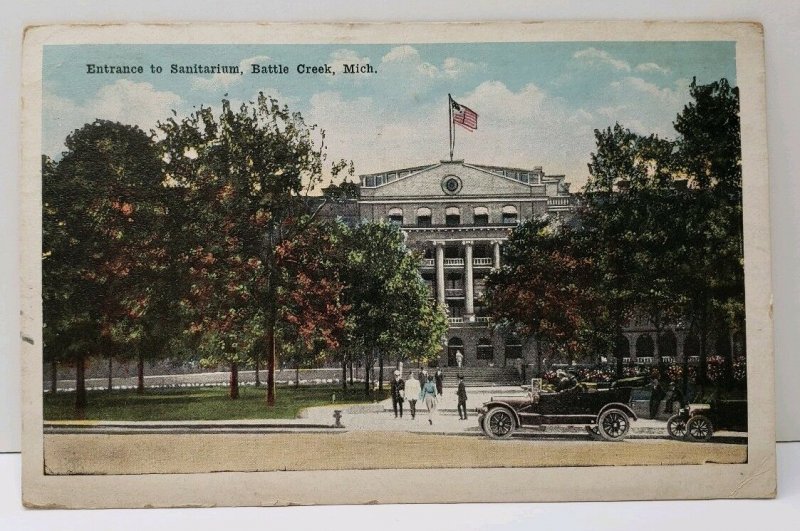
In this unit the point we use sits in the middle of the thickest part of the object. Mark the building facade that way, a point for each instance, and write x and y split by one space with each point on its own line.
458 215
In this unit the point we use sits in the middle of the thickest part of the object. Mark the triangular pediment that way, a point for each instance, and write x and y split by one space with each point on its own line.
446 179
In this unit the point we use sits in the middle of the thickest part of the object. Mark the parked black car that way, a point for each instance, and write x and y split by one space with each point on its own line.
697 422
605 412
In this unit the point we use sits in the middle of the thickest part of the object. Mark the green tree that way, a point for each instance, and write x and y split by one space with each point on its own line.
391 313
100 217
544 289
262 162
709 156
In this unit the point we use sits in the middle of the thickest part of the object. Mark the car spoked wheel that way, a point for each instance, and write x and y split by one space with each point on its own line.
676 427
699 428
613 424
499 423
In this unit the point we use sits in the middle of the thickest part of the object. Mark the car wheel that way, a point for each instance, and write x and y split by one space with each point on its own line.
676 427
499 423
699 429
613 424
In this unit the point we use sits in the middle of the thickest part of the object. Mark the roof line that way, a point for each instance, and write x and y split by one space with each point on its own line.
419 170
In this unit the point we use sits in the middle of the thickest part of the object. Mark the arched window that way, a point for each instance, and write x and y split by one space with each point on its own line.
396 216
485 349
480 216
423 217
510 215
452 216
622 347
668 345
691 347
644 346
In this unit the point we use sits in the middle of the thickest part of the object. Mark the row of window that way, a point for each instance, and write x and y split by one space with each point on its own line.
480 216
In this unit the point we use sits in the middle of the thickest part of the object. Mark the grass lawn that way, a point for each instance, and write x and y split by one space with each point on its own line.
199 403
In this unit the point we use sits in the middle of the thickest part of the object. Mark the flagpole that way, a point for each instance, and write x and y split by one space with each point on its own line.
450 115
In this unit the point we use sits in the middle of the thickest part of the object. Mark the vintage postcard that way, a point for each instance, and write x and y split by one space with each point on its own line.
272 264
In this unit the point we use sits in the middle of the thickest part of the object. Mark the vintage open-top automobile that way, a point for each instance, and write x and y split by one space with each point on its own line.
697 422
605 412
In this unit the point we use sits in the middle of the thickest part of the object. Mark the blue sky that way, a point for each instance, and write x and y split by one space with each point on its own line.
538 103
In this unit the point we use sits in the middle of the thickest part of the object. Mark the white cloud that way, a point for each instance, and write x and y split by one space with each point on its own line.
223 81
667 95
401 54
593 56
524 128
652 67
454 67
123 101
408 57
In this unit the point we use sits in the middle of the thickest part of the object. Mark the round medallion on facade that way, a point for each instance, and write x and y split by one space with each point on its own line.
451 184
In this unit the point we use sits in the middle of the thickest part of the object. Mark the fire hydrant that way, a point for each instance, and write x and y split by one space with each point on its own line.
337 416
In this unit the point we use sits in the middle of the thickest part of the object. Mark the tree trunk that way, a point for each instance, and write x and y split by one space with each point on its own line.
53 377
234 386
702 374
351 373
80 388
344 374
271 319
380 372
296 376
728 361
539 371
258 376
110 374
366 377
140 375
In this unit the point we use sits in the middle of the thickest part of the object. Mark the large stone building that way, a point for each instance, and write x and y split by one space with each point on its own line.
458 215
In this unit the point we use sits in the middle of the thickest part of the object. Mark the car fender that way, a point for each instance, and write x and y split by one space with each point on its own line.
495 404
618 405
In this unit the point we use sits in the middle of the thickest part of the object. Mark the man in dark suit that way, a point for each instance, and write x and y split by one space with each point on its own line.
656 396
462 398
398 392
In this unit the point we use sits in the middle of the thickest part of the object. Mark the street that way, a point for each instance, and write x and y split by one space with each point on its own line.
210 452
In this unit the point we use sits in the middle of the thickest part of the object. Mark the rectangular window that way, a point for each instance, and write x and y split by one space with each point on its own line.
452 220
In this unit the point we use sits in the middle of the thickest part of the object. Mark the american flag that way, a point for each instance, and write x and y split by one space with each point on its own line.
464 116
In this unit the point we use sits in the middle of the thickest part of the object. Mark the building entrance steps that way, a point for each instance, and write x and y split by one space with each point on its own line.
482 376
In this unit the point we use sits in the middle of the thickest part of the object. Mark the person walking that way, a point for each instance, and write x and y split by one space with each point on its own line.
462 398
675 395
656 395
439 378
413 390
398 393
423 377
428 396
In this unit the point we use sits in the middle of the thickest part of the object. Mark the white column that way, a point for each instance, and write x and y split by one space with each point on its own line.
469 294
440 272
496 244
631 346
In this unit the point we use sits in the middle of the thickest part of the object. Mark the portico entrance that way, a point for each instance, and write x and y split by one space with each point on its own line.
454 345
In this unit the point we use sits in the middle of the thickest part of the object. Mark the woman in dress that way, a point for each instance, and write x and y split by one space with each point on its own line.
428 396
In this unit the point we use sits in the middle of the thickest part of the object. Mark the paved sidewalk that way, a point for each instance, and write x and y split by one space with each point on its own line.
375 417
380 417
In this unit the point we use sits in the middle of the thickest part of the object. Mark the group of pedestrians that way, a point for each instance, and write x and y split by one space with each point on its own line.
427 390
